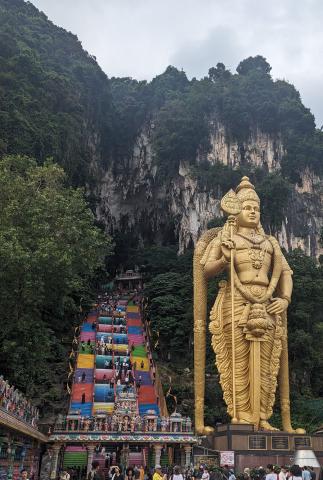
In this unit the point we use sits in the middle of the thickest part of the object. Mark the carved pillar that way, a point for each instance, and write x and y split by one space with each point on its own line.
11 458
182 453
53 472
90 453
158 449
188 450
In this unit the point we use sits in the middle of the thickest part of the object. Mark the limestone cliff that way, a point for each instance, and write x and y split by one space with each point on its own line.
136 201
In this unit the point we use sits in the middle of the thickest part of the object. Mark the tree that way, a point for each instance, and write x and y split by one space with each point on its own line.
250 64
49 252
219 72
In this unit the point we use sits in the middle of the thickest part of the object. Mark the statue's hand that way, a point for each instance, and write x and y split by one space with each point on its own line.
226 248
278 305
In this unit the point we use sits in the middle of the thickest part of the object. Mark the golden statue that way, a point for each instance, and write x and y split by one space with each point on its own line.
248 321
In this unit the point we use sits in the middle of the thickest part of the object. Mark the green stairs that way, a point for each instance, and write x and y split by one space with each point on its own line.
140 351
75 459
163 459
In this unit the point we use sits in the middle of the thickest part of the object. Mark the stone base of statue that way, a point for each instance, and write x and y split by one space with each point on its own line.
259 448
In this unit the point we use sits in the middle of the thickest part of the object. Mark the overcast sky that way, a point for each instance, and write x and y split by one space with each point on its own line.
139 38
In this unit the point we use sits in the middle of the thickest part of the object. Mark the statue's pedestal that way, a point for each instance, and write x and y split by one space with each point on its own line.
258 448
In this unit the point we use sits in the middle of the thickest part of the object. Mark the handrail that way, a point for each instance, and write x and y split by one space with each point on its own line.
158 383
113 364
94 366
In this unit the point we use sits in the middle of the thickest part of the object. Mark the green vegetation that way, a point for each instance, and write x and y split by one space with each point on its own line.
56 101
50 251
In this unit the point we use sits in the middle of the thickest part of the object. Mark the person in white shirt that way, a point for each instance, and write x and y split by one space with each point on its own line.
271 475
282 473
177 474
205 475
231 475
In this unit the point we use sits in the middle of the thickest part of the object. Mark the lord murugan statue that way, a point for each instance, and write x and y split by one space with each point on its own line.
248 321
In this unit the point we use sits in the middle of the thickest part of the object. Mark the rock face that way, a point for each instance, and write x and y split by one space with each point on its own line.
134 200
262 150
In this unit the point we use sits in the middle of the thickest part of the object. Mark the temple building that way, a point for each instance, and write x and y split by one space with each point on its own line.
129 280
20 440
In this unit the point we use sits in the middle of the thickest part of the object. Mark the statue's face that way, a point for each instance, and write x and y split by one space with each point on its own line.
249 215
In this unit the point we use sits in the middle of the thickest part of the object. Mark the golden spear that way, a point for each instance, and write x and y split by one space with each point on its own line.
231 205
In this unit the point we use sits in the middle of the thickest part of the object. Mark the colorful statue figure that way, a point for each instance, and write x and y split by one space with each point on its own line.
248 321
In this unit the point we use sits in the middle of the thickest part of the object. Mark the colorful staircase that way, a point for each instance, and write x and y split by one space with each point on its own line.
82 390
95 388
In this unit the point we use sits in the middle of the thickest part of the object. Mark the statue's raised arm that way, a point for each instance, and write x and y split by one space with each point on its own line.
248 321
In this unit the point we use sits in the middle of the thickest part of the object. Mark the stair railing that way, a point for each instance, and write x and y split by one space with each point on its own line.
156 380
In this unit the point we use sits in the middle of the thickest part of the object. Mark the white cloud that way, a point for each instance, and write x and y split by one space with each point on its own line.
139 38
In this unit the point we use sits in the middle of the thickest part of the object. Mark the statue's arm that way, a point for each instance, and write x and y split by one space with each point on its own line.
283 291
285 285
215 261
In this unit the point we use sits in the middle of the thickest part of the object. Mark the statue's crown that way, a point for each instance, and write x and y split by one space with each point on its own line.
246 191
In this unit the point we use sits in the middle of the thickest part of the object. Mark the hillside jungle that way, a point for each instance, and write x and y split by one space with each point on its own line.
62 120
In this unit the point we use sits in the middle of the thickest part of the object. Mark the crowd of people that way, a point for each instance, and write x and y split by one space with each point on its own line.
275 472
14 402
115 472
271 472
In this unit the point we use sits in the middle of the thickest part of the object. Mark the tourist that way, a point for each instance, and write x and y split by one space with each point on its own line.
129 474
205 474
231 475
94 474
283 473
296 472
313 474
116 473
64 475
177 475
24 474
271 475
142 364
246 474
141 473
306 475
158 473
83 377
